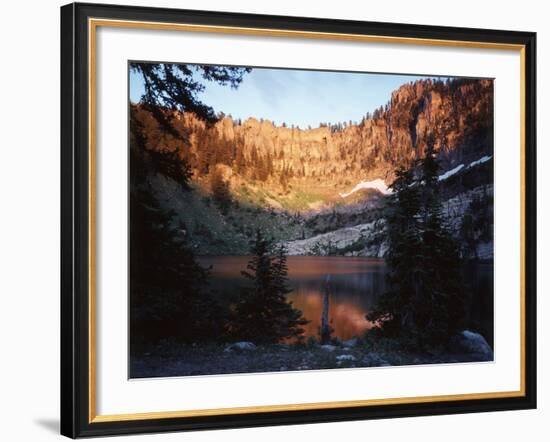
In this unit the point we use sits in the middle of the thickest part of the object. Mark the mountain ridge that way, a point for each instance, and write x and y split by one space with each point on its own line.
291 181
457 115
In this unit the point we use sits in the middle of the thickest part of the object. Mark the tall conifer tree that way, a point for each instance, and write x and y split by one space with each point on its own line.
424 300
263 314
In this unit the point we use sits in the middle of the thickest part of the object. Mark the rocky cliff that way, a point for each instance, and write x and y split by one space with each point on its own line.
307 182
456 114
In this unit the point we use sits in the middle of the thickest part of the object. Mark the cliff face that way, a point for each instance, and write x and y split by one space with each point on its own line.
363 239
458 115
297 184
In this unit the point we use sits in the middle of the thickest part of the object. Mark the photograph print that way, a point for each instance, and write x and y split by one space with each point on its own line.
283 220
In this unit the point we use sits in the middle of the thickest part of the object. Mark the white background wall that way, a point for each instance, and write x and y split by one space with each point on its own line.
29 220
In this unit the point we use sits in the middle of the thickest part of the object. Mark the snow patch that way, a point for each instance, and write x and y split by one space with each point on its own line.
380 185
451 172
377 184
480 161
458 168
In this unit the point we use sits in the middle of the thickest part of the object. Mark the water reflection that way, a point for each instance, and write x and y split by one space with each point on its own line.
355 284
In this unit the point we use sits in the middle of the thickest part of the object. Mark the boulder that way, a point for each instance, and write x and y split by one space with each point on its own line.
345 358
280 347
351 343
241 346
374 360
472 343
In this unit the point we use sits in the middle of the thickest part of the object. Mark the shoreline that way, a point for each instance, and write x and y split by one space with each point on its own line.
171 359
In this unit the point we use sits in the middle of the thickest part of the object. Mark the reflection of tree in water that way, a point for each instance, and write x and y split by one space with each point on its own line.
355 285
351 296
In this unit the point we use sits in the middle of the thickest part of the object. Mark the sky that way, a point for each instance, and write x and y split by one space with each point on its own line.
297 97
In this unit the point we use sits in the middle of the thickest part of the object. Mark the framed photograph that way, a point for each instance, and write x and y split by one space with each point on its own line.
274 220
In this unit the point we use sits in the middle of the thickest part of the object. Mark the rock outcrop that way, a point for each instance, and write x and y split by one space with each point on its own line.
456 114
320 190
472 343
363 239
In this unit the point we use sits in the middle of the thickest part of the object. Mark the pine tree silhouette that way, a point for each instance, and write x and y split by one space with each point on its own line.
263 314
424 300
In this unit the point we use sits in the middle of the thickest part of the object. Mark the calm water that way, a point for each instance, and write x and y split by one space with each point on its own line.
355 284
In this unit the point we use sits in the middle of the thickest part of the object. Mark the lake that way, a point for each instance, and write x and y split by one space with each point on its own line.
355 284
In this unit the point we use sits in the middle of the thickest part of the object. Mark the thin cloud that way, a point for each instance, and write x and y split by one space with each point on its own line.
299 97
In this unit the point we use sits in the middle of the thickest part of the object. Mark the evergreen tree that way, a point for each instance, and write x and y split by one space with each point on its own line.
263 314
424 300
290 319
171 164
160 152
283 178
394 311
240 160
176 87
168 288
169 297
170 87
441 311
468 235
220 190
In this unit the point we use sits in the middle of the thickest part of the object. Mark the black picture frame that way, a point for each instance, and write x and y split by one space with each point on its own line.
75 220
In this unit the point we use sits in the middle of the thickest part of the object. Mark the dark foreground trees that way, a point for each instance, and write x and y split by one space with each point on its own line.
262 313
170 88
424 301
176 87
169 294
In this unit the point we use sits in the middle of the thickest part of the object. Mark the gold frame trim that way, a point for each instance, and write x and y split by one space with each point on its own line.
93 24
